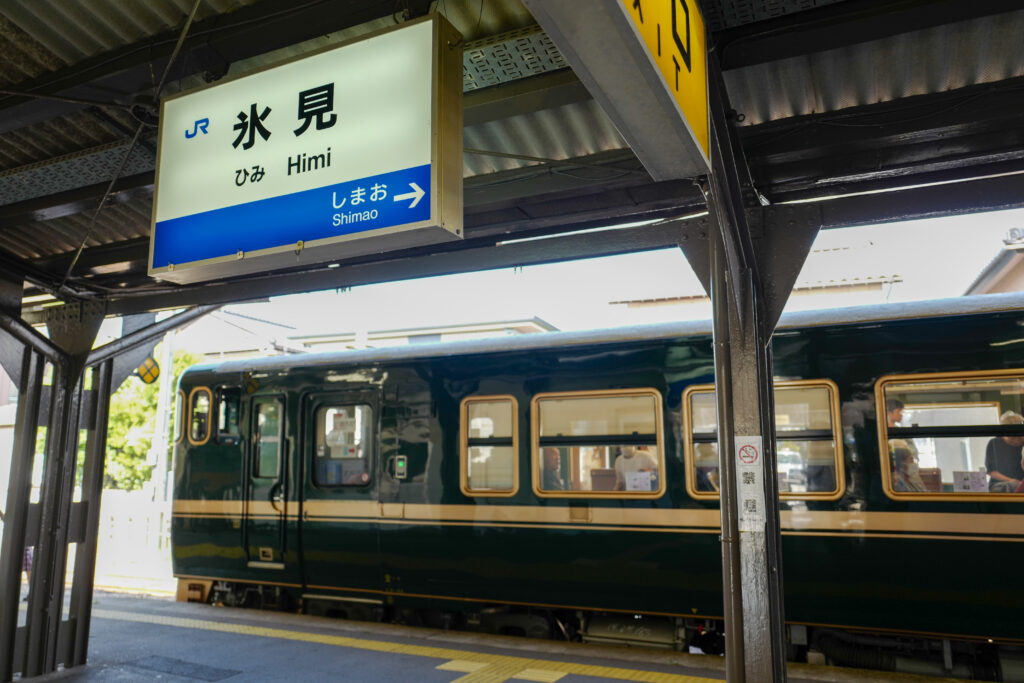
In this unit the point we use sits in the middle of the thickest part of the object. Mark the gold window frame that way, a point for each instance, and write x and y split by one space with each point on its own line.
839 459
885 462
209 415
535 466
464 445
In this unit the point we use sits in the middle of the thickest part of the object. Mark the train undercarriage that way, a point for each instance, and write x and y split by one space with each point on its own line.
972 660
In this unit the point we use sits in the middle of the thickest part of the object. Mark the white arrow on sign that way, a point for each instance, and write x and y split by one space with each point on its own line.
416 195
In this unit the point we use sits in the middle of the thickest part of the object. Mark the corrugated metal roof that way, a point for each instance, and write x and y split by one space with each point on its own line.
115 223
63 135
933 60
476 19
23 56
722 14
35 39
566 132
102 25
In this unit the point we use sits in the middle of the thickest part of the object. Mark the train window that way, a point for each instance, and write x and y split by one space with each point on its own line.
490 446
598 444
200 402
227 415
344 434
808 440
269 428
952 436
179 416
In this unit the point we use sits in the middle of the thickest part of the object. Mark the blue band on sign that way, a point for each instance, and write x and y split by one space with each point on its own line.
380 201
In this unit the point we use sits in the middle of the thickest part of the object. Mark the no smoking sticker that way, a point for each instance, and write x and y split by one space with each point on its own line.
750 483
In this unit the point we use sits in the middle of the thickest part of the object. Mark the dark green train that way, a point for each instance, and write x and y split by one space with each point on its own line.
565 485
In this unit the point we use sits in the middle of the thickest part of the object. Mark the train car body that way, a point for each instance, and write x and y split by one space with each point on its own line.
433 491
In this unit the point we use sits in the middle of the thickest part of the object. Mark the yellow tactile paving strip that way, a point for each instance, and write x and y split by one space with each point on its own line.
479 667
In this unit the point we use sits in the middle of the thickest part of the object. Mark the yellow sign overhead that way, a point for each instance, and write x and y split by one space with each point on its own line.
673 33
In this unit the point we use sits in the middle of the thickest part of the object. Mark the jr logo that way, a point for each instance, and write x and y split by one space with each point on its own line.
199 125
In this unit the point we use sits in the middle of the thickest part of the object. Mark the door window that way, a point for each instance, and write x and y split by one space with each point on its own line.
269 423
343 442
227 415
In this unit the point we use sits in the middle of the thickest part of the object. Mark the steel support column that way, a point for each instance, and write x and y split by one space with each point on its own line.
12 658
80 614
46 640
751 543
46 593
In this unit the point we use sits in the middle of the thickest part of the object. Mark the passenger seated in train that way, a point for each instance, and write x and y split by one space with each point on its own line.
1020 486
706 456
903 453
1003 458
635 470
551 477
905 475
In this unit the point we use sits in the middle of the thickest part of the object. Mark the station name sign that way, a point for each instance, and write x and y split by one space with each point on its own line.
351 150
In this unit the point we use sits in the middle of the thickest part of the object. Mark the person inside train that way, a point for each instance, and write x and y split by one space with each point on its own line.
630 461
707 467
551 472
1020 486
905 474
1003 458
893 412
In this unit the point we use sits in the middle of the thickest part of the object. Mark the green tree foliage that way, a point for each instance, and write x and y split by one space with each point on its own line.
131 426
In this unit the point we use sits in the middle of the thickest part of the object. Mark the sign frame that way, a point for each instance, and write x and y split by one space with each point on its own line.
445 222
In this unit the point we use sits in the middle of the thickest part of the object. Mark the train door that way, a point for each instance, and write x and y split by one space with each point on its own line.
341 558
267 494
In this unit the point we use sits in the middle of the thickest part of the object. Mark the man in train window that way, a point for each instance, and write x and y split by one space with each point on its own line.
635 470
893 412
1003 458
552 472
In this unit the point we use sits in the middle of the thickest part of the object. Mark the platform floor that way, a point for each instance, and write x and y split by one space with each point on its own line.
137 638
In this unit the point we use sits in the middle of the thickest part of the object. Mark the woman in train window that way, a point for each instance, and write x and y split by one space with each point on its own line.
905 476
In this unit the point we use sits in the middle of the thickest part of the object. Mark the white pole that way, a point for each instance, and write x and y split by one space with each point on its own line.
161 435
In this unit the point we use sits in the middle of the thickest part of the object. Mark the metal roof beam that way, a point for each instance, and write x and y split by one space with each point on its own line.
495 255
891 144
130 255
843 24
537 93
77 200
933 201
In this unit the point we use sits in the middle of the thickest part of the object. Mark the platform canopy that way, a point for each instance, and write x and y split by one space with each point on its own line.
839 102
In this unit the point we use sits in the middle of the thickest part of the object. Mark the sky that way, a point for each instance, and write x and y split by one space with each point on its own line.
932 258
